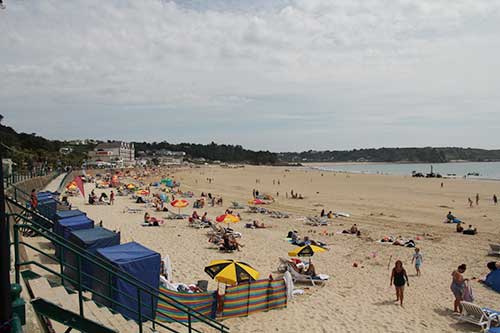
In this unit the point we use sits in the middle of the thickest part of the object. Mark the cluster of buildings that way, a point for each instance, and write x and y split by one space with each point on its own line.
120 154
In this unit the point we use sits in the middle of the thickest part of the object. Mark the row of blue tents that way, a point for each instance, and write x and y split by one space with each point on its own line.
132 258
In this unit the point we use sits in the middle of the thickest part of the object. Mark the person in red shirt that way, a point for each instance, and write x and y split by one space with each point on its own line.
33 199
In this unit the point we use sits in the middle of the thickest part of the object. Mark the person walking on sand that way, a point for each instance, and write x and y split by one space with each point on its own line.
399 278
418 259
477 199
458 287
112 197
495 199
470 202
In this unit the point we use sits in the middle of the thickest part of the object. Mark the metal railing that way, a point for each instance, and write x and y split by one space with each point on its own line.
81 255
19 177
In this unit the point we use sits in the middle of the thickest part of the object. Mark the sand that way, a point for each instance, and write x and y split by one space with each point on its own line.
355 299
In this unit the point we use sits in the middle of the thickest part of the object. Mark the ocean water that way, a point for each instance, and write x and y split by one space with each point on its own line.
486 170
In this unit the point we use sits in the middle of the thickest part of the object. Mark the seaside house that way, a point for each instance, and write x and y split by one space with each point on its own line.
117 153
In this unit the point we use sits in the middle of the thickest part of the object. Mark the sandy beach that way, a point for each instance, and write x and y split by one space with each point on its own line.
355 299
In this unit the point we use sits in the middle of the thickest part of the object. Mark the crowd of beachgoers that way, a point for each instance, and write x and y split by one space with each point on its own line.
175 211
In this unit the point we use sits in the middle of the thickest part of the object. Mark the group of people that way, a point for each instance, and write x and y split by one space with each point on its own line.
103 198
295 239
195 217
212 200
294 195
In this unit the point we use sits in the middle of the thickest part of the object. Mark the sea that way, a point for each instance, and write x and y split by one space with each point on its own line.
471 170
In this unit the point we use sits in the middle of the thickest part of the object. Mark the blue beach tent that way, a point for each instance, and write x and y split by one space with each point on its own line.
90 240
138 261
62 214
65 226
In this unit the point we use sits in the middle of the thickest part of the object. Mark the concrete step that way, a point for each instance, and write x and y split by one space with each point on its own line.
102 315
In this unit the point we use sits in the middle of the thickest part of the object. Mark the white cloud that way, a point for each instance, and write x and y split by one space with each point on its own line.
290 62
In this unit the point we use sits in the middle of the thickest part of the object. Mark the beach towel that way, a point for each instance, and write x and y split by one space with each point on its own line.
289 285
468 295
493 280
167 266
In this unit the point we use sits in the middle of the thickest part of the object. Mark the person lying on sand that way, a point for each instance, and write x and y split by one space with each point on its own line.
260 225
150 221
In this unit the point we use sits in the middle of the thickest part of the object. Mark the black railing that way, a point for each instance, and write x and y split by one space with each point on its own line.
82 254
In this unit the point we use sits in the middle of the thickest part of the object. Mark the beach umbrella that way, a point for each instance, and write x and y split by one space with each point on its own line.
179 203
142 192
256 202
306 251
231 272
227 218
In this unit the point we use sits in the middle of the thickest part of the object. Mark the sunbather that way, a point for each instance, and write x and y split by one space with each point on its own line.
304 269
150 221
354 230
205 218
258 225
229 243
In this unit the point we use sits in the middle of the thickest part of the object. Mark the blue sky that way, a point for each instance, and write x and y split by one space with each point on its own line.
282 75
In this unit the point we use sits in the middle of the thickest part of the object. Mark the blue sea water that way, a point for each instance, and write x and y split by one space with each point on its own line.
486 170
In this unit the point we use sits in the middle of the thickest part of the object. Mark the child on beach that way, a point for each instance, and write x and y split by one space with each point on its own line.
399 278
418 259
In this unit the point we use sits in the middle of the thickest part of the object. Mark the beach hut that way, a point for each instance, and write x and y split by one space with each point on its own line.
90 240
62 214
65 226
138 261
47 206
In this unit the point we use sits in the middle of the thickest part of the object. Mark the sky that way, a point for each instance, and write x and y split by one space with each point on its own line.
279 75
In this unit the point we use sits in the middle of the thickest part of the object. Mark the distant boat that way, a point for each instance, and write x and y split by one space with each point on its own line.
473 174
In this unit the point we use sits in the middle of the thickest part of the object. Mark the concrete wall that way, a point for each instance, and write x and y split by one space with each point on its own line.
33 324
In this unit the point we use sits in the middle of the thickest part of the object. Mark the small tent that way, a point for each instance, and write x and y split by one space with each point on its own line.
138 261
90 240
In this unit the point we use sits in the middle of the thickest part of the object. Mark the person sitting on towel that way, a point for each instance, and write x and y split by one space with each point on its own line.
150 221
470 230
459 227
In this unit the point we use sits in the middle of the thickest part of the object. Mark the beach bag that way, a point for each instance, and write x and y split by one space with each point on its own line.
468 296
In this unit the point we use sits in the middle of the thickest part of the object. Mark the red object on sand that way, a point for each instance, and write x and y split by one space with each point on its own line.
79 184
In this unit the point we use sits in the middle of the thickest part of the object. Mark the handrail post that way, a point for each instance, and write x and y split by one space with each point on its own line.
110 287
189 320
153 314
61 266
80 296
140 309
16 253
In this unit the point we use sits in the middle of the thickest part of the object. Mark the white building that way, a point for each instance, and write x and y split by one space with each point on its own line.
117 153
